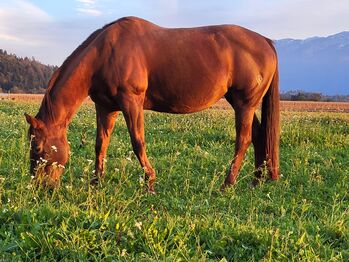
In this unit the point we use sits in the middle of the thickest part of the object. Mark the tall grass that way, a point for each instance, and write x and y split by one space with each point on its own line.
304 216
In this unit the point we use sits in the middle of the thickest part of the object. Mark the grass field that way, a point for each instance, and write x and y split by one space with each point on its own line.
304 216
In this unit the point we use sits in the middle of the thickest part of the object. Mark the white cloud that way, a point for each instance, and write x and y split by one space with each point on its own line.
88 2
27 30
8 37
88 7
89 11
17 20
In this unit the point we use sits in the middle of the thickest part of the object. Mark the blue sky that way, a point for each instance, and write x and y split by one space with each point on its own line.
50 30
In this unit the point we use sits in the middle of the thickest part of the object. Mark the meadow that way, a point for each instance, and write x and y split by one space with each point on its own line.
304 216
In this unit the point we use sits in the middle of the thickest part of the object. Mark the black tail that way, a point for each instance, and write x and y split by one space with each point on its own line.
270 126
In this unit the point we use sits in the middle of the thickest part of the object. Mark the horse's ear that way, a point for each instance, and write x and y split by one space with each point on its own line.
35 123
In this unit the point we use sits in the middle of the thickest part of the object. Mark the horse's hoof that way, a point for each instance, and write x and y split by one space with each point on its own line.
151 192
224 187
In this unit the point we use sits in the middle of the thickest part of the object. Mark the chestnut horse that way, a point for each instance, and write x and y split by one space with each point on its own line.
131 65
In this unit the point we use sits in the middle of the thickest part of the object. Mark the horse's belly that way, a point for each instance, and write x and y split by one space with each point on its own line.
183 100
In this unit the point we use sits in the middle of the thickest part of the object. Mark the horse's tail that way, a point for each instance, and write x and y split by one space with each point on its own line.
270 125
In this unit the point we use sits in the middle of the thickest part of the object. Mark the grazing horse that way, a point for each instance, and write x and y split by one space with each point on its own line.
131 65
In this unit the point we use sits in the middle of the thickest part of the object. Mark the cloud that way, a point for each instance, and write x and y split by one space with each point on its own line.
89 11
88 7
27 30
18 19
87 2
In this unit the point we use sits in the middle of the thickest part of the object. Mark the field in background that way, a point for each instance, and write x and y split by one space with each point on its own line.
298 106
304 216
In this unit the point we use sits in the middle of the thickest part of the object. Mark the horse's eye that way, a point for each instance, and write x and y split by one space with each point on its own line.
37 149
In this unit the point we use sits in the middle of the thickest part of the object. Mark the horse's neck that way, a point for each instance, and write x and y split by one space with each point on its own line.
63 99
69 86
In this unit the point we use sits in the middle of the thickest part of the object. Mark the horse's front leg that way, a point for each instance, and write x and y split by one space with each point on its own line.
132 108
105 124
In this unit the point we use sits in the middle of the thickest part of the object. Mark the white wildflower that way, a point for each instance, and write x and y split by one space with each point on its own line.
43 160
138 225
54 148
123 253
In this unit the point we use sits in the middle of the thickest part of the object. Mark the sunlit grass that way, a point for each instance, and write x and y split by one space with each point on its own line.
304 216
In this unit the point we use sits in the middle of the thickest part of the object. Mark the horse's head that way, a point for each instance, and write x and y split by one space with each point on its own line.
49 152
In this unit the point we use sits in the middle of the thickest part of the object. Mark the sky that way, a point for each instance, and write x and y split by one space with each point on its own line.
50 30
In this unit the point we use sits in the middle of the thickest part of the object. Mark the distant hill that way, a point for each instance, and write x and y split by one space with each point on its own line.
317 64
23 75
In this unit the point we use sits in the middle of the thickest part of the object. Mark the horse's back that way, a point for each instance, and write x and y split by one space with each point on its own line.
185 69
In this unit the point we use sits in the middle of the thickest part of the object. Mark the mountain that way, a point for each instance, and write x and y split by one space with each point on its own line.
316 64
23 75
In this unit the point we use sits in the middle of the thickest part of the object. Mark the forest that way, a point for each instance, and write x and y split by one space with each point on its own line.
23 75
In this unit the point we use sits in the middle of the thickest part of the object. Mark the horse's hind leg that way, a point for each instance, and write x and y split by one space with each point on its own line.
244 115
105 124
132 108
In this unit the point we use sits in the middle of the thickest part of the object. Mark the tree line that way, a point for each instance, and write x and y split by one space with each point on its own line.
23 75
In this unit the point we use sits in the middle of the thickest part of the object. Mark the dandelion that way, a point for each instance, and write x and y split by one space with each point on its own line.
54 148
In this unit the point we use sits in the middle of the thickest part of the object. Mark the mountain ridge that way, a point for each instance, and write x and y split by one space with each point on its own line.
315 64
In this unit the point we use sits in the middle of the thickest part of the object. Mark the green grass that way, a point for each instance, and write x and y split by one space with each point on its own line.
304 216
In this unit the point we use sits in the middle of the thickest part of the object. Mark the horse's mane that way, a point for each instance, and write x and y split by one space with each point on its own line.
46 105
